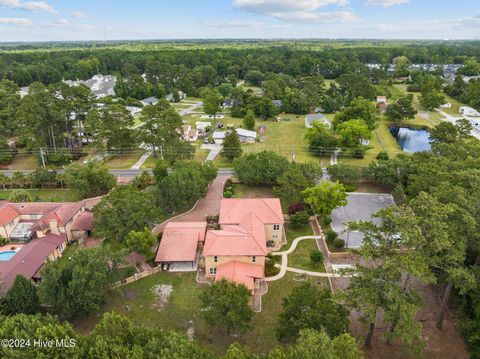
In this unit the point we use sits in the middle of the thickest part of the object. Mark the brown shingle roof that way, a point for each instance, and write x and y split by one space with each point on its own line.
29 259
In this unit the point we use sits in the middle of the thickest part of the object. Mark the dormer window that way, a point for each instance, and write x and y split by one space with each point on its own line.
276 227
254 259
215 259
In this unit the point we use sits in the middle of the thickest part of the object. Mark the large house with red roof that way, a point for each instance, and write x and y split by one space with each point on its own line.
38 232
236 251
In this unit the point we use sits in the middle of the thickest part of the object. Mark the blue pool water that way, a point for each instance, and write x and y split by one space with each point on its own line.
6 256
411 139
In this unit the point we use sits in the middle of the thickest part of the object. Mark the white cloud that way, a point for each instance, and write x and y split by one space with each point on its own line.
79 15
29 6
16 21
386 3
62 22
304 11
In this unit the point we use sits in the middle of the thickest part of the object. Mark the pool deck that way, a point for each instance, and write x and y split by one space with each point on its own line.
9 246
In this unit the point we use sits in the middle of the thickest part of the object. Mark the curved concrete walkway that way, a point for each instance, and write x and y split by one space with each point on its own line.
284 265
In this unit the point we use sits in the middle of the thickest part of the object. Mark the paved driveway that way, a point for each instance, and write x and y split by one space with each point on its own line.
210 204
360 207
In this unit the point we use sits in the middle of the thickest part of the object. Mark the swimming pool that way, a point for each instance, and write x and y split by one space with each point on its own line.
7 255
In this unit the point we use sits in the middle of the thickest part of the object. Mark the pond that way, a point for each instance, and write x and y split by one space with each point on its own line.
411 140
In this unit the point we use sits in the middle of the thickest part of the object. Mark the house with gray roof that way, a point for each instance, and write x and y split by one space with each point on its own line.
316 117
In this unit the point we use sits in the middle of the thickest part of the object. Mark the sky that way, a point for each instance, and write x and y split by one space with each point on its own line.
49 20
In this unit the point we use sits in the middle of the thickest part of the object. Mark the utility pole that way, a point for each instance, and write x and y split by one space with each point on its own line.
42 157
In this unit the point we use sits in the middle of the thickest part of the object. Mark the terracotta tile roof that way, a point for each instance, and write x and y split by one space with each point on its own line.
234 241
62 212
83 222
7 213
268 210
180 240
29 259
240 273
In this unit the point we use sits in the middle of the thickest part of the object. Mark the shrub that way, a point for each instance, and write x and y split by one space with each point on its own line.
338 243
4 241
326 220
316 257
228 194
270 269
331 236
383 155
300 219
296 207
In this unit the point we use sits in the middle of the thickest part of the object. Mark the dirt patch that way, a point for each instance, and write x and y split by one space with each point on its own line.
162 295
439 344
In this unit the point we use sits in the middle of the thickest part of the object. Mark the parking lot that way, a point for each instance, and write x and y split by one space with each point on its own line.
360 207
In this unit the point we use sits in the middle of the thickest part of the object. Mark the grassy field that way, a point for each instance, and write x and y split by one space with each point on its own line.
245 191
22 161
300 257
184 306
283 137
291 233
124 161
46 195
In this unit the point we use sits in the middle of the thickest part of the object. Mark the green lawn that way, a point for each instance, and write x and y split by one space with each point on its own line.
291 233
454 110
283 137
47 195
184 306
22 161
300 257
124 161
245 191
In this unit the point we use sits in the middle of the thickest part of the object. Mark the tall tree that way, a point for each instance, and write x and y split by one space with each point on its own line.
141 242
226 304
76 288
124 209
89 180
325 197
402 109
160 128
290 184
249 120
307 307
260 168
21 298
232 147
212 102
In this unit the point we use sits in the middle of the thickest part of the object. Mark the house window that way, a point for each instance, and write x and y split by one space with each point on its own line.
215 259
254 259
275 237
213 271
276 227
61 248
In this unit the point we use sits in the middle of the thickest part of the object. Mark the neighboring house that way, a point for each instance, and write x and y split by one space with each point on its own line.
381 99
99 85
202 126
178 249
228 103
468 111
20 222
278 104
133 109
189 134
246 136
29 259
24 91
39 232
248 226
218 137
149 101
181 96
316 117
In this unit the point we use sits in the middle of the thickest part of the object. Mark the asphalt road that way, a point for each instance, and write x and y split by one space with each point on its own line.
118 173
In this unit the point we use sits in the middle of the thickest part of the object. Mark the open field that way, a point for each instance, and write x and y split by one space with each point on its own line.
46 195
22 161
283 137
124 161
184 306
